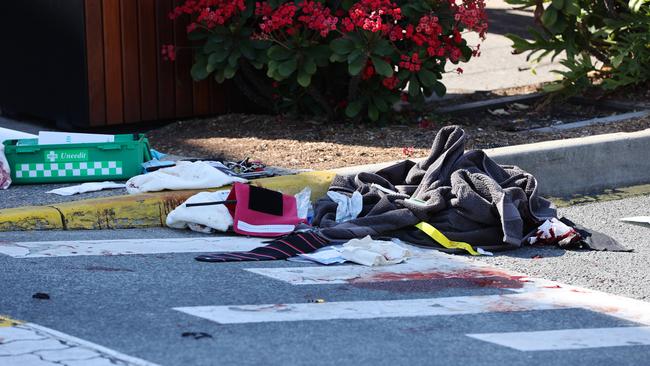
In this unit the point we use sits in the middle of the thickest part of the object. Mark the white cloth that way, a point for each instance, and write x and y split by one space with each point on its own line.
86 187
347 208
185 175
5 170
369 252
198 218
554 231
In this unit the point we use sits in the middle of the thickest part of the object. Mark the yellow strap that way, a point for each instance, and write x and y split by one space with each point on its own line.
441 239
8 322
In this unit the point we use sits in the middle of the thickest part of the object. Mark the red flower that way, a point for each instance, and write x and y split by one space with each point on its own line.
391 82
168 52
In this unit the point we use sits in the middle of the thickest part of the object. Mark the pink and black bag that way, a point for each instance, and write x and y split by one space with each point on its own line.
262 212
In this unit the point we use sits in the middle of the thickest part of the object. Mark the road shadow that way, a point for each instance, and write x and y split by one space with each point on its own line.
504 21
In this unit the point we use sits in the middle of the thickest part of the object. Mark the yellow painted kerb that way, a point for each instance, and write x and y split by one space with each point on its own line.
139 210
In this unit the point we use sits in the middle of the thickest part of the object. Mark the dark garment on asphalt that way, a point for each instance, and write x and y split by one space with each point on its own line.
594 240
281 248
465 195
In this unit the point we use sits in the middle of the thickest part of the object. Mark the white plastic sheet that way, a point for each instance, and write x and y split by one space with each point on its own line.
86 187
185 175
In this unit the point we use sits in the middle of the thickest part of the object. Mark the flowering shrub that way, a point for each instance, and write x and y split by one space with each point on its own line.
606 42
334 57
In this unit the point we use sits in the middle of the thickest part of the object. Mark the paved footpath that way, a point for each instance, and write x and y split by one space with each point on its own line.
137 297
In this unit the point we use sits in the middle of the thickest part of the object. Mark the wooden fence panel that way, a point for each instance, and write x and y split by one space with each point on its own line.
95 52
130 60
113 62
128 79
149 49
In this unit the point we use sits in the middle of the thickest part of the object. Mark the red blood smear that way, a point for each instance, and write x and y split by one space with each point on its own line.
436 281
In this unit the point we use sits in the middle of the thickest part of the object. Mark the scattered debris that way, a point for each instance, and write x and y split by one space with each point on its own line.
520 106
41 296
498 112
196 335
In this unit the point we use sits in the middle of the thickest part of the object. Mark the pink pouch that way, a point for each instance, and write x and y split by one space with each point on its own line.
262 212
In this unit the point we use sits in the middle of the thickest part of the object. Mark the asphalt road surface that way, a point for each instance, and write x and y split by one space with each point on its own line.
137 297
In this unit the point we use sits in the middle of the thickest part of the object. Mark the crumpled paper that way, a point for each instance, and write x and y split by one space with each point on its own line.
185 175
348 207
86 187
554 231
5 171
203 219
370 252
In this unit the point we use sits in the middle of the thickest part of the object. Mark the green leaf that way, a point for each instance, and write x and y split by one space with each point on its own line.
335 57
549 16
382 67
309 66
383 48
353 109
279 53
414 87
427 78
218 76
439 88
373 112
229 72
551 88
247 49
304 79
234 58
287 67
217 58
199 69
558 4
560 24
355 67
342 46
572 7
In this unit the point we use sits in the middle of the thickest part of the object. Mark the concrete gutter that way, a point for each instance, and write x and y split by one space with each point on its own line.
562 168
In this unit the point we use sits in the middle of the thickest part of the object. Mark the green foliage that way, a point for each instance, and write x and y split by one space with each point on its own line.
606 42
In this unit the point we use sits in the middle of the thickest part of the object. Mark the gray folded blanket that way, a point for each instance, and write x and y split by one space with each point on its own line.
465 195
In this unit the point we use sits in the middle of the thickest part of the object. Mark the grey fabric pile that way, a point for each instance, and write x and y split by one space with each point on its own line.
465 195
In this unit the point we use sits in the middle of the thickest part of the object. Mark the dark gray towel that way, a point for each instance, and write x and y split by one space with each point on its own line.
465 195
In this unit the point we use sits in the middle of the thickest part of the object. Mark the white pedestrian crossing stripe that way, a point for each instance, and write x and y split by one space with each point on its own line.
31 344
462 305
522 294
67 248
568 339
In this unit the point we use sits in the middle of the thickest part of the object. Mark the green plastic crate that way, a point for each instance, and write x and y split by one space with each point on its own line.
119 160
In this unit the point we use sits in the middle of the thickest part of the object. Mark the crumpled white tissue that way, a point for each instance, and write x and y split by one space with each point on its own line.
5 171
370 252
86 187
185 175
554 231
348 207
202 218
